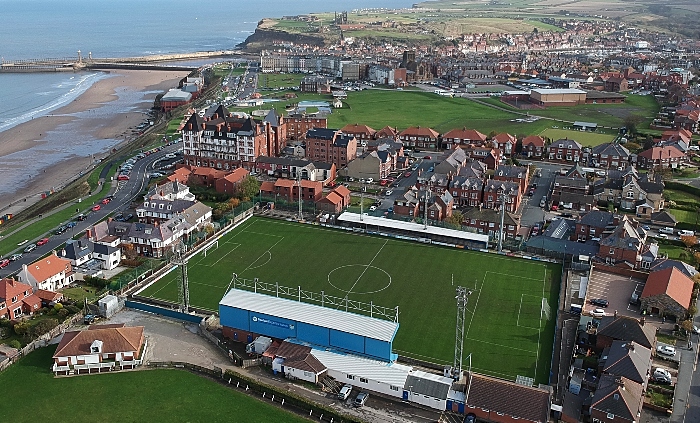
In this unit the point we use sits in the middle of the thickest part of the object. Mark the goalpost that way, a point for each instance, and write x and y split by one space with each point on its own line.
546 310
214 245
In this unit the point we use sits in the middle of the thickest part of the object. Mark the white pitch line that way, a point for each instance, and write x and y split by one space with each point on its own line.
466 335
517 323
363 272
501 346
224 256
539 332
512 276
265 252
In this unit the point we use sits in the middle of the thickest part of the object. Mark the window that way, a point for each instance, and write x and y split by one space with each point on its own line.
363 380
351 377
612 251
394 388
610 416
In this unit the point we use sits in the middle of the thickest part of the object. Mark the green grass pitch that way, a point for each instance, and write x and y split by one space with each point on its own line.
506 330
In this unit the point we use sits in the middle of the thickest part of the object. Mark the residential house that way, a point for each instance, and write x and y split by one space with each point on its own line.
298 124
418 137
665 263
661 156
84 254
624 246
394 149
452 161
505 142
488 222
663 218
492 157
533 146
159 211
629 191
170 191
115 344
593 224
464 136
288 190
610 155
229 183
617 399
362 133
616 84
387 132
205 176
48 298
501 401
372 164
180 174
330 146
667 293
51 273
336 200
440 207
625 328
467 191
494 192
626 359
518 174
412 204
17 299
572 192
565 150
436 182
292 167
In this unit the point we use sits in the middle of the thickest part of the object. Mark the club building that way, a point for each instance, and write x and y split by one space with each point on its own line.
245 315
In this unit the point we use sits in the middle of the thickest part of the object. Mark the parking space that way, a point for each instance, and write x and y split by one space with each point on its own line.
617 290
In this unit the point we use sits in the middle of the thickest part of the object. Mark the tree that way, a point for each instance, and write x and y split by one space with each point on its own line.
43 327
648 142
234 202
631 122
692 310
249 187
689 240
21 328
15 344
687 325
456 219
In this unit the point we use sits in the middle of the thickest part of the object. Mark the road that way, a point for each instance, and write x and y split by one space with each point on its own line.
126 192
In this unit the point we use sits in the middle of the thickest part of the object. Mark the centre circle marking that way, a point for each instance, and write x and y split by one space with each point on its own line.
356 292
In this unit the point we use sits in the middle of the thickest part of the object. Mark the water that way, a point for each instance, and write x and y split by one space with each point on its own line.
123 28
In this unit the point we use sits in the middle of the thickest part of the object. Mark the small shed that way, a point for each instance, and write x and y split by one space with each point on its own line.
585 126
108 305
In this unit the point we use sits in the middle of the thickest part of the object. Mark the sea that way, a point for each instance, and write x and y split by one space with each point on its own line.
36 29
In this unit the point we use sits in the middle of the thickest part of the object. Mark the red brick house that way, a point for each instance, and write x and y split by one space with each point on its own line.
667 293
229 183
462 136
565 150
288 190
412 204
518 174
297 125
17 299
592 225
387 132
488 222
494 190
416 136
616 400
336 200
360 132
488 155
467 191
501 401
624 246
610 156
661 156
330 146
205 176
505 142
616 84
623 328
533 146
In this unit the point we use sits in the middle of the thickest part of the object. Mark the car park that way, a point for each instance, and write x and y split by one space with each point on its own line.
600 302
15 257
666 350
361 399
30 248
598 312
42 241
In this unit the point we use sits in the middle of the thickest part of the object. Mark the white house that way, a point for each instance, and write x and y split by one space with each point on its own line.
51 273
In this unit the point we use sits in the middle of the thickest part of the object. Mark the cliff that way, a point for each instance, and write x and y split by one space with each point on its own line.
264 38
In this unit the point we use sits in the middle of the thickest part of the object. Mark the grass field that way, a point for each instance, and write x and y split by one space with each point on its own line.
506 331
587 139
153 396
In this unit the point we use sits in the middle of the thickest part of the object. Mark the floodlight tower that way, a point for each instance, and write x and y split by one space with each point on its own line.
183 292
301 213
462 299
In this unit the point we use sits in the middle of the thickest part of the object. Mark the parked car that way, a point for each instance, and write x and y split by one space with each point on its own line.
71 224
431 168
96 207
383 182
389 192
60 230
427 157
345 392
661 375
666 350
15 257
89 319
106 200
81 217
390 209
600 302
407 174
30 248
598 312
42 241
361 399
123 178
370 180
4 263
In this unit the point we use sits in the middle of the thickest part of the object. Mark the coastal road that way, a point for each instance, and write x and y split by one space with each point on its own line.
125 193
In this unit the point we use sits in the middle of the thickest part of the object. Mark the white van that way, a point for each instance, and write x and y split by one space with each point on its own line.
345 392
685 232
666 230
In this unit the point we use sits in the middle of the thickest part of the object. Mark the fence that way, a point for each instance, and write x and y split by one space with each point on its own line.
164 311
321 298
278 396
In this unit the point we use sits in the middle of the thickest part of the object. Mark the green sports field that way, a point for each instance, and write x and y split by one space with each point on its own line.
507 329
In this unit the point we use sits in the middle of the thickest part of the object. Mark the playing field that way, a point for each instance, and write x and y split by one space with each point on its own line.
508 328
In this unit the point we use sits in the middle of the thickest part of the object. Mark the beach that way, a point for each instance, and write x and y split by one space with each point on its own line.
47 152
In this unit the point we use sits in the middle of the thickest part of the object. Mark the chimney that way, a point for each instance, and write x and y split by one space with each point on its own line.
630 346
88 233
641 321
109 219
619 382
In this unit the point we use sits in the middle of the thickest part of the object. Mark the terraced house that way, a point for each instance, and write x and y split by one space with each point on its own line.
420 137
330 146
565 150
533 146
610 156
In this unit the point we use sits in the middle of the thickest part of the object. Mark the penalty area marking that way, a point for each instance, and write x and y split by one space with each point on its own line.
520 309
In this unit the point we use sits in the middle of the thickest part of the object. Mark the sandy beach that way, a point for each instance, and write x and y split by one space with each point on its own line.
90 116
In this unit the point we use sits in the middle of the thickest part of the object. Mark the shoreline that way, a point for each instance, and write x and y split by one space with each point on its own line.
49 151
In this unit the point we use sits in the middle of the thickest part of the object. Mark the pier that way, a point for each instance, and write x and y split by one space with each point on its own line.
75 64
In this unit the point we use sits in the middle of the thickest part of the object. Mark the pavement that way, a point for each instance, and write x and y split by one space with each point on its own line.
123 192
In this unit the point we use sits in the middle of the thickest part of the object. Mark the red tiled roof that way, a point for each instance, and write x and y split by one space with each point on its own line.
665 152
504 137
342 191
32 301
52 265
10 288
465 134
535 140
672 282
267 186
281 182
355 128
418 131
332 198
237 175
501 396
48 295
386 132
114 340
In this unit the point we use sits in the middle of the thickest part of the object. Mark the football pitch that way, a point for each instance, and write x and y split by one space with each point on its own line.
511 312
